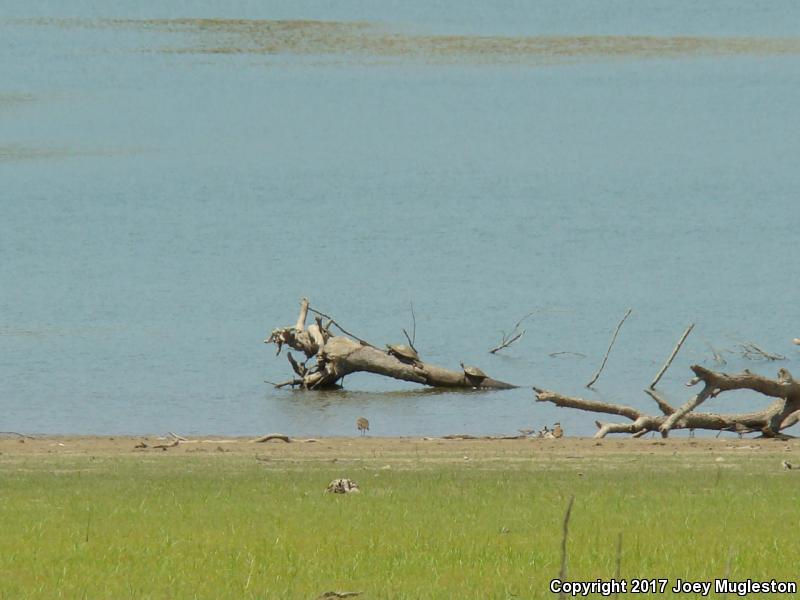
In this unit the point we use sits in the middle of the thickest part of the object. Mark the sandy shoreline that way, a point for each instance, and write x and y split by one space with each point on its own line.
380 448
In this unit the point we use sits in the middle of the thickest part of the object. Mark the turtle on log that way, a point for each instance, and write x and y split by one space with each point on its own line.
403 353
473 374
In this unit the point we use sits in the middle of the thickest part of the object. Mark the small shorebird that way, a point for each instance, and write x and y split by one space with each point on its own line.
558 431
363 425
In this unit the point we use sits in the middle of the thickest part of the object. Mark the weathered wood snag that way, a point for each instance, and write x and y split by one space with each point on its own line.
338 355
782 413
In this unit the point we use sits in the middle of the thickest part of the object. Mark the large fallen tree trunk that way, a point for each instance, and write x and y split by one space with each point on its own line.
782 413
339 355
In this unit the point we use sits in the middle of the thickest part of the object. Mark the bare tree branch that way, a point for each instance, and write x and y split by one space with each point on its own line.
611 345
783 412
717 356
671 356
663 405
299 369
566 353
413 337
753 352
582 404
688 406
409 340
339 327
506 342
512 337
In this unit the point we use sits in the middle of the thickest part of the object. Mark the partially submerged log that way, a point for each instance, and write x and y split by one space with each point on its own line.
339 355
782 413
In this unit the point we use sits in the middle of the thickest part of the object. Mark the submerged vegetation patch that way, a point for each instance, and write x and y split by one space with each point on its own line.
20 152
10 100
363 40
15 152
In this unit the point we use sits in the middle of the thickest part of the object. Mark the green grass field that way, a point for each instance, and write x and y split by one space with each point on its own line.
229 526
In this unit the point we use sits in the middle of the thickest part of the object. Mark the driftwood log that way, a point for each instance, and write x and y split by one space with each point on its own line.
336 356
782 413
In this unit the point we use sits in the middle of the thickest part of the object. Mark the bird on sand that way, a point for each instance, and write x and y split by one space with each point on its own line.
558 431
363 425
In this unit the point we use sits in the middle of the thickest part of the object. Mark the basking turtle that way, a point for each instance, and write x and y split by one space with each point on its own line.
403 353
473 374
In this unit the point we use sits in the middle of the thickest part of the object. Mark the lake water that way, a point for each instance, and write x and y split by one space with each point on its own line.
170 187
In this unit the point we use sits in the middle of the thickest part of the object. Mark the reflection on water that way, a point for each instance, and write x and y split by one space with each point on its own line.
326 397
369 41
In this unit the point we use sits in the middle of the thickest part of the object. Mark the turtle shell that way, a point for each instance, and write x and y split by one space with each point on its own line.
473 372
402 351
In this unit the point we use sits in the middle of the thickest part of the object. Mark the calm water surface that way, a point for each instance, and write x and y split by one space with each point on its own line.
170 189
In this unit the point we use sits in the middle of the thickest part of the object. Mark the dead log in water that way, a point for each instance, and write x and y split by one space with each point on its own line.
782 413
335 356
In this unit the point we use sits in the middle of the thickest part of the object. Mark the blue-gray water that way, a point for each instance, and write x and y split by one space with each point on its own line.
164 206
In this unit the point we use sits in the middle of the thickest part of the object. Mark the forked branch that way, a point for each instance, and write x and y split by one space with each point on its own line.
514 336
783 412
